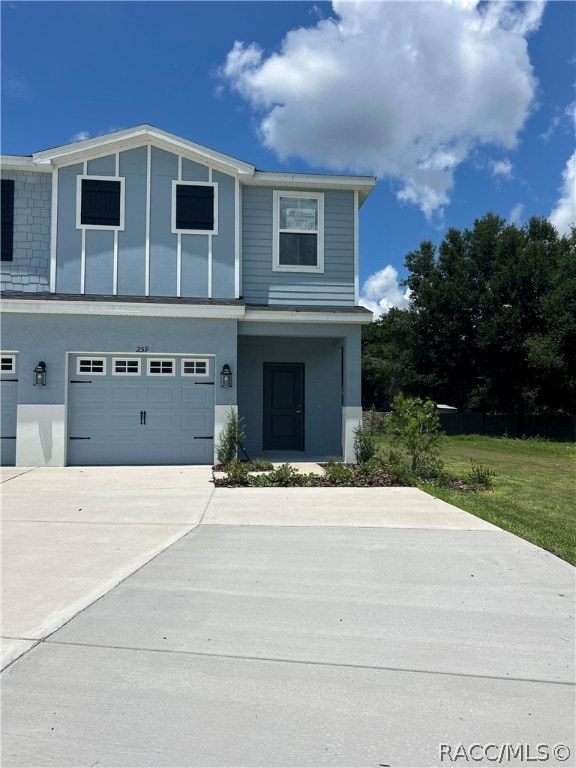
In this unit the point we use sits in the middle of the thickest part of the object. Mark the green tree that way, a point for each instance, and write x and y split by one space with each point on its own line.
414 425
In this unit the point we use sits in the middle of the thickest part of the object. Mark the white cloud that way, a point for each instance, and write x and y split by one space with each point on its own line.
83 135
381 292
564 213
515 215
501 168
399 90
80 136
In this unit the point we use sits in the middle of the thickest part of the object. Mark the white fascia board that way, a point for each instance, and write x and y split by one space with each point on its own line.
364 184
121 309
19 163
284 316
147 134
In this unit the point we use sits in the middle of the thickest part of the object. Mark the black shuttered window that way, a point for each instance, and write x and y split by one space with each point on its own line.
7 234
100 203
194 207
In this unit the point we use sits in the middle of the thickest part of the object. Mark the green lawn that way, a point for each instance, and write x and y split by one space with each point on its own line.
534 493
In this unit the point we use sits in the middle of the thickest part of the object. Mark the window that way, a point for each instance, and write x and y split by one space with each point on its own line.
124 367
93 365
7 234
161 368
194 367
298 232
195 207
7 364
100 202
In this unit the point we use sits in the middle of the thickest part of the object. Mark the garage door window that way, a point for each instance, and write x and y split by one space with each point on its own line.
93 365
126 367
8 364
161 368
194 367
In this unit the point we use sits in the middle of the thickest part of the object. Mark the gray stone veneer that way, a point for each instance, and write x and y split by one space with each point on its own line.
30 268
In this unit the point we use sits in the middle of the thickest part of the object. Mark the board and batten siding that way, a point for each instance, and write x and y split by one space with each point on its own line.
261 285
103 262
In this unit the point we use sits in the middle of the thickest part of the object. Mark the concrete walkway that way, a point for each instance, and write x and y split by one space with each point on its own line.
271 627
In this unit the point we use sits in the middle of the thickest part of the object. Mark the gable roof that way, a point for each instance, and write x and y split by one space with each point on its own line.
143 135
135 137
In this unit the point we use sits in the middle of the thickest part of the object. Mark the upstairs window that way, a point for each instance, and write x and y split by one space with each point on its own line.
298 232
195 207
7 234
100 203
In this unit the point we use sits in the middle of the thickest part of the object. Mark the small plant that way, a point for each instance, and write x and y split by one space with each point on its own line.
480 476
339 474
237 472
397 469
230 438
364 444
415 425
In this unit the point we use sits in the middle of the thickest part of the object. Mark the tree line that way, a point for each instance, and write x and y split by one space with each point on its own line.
491 324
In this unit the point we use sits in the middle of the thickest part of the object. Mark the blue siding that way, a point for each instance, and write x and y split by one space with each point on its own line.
102 166
194 266
261 285
193 171
162 241
223 251
69 240
132 241
99 261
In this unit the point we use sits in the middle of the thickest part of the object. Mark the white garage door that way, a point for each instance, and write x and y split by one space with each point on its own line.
138 409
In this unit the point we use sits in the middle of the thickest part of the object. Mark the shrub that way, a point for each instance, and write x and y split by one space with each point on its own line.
364 444
230 438
415 425
480 476
397 469
237 472
338 473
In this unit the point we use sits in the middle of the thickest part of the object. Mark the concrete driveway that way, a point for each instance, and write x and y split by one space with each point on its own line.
271 627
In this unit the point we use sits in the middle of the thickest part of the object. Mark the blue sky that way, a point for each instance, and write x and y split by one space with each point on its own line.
458 107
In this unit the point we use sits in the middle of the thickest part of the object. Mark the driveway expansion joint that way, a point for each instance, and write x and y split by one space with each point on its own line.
306 662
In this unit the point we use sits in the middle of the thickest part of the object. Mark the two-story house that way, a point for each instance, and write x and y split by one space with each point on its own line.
151 284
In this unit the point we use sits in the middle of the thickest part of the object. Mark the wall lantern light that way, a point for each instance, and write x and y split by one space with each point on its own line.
40 374
226 376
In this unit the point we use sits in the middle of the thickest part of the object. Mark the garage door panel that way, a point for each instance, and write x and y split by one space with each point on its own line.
197 422
201 394
124 395
88 394
140 420
9 399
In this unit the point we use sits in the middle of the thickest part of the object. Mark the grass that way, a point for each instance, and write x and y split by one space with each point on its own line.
534 494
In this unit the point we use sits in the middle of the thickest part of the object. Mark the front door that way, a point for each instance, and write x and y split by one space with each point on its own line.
283 407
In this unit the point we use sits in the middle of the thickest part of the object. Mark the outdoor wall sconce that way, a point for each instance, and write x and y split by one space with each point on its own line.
40 374
226 376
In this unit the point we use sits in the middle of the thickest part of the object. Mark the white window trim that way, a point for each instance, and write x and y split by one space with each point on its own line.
176 183
92 360
195 360
161 360
107 228
12 358
276 266
126 360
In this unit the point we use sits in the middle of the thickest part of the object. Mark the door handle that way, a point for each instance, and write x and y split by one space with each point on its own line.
144 412
141 418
